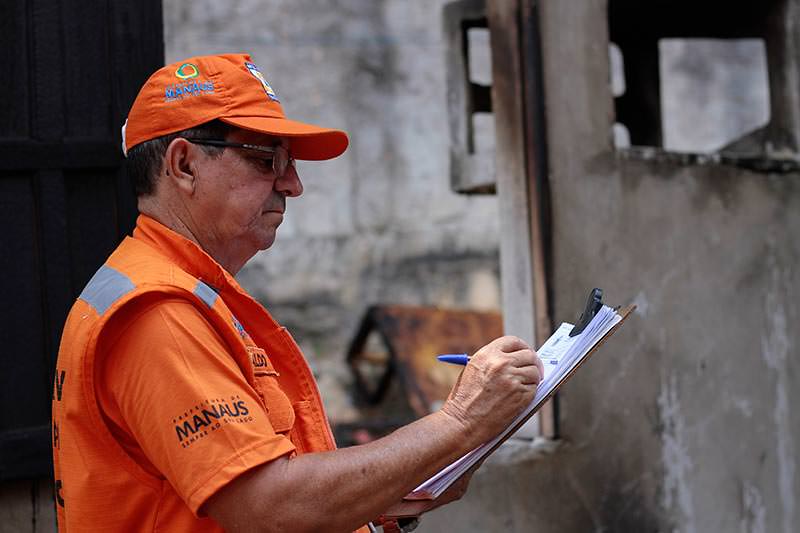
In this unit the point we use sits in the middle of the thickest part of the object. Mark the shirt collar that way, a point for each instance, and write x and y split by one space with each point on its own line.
192 259
183 252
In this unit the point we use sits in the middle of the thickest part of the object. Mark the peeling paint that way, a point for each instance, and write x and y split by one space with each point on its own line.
642 304
775 348
743 406
675 455
754 512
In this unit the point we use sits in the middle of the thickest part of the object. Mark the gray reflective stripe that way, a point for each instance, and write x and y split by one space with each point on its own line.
106 287
205 293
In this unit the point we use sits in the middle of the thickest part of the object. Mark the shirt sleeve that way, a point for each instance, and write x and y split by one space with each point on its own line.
177 401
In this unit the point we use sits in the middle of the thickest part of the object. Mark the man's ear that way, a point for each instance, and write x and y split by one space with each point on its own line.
180 165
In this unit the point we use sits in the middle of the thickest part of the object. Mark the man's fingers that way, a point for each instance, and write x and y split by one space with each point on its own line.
540 366
525 357
510 343
529 375
536 361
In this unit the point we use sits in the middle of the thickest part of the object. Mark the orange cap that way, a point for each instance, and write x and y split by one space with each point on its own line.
227 87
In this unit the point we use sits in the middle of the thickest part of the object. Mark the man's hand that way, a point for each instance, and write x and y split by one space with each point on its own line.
497 384
343 489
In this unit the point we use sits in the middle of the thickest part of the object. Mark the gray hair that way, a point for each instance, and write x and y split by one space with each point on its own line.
145 160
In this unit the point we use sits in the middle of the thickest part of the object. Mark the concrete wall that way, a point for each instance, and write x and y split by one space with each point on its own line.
685 420
379 224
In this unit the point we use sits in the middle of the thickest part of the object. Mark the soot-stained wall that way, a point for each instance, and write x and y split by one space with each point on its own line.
685 420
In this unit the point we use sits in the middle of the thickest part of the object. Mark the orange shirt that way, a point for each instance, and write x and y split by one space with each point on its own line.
178 404
171 381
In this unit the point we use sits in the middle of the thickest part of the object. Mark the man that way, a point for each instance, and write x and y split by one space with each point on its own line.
180 404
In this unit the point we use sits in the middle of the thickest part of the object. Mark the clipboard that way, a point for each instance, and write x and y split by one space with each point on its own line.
418 502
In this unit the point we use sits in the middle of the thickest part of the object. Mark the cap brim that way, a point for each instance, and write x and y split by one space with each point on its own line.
308 142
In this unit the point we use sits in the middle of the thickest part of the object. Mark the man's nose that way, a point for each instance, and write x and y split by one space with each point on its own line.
289 184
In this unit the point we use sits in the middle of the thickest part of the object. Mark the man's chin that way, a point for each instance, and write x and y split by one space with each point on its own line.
267 241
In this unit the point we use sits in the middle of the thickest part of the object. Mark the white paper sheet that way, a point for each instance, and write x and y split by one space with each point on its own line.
560 354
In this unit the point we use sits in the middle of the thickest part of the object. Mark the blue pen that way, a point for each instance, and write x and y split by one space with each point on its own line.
454 358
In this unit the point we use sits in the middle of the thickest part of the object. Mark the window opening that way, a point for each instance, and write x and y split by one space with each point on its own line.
694 88
713 92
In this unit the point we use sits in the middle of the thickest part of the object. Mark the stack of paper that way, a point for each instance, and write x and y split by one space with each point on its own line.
560 354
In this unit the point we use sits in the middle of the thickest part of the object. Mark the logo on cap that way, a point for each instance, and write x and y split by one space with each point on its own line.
187 71
260 77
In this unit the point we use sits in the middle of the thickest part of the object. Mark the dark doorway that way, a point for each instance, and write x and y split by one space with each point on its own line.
72 69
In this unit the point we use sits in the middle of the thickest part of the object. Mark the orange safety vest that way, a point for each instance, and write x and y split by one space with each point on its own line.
96 480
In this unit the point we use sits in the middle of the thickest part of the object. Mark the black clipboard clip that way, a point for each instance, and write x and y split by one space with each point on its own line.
593 305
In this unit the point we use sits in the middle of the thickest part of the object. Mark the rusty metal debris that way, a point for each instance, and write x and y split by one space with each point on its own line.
395 341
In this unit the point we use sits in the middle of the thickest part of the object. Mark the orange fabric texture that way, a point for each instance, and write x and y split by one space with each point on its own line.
170 382
227 87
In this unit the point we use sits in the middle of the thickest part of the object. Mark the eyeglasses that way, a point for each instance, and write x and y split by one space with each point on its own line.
280 155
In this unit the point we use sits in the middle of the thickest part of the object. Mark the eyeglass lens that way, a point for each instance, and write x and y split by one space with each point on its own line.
281 161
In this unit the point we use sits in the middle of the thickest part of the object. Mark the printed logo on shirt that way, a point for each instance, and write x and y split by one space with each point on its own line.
207 416
260 362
